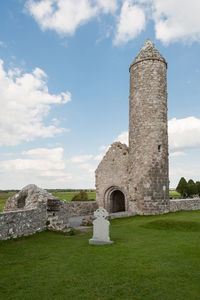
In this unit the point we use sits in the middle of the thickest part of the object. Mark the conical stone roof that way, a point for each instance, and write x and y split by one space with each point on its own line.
148 51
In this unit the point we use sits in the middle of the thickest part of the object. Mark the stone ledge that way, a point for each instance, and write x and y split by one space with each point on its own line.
121 214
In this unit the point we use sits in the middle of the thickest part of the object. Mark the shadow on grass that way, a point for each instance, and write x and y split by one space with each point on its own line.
71 233
174 225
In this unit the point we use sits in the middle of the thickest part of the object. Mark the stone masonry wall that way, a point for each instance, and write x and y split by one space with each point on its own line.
112 173
184 204
148 137
23 223
78 208
57 215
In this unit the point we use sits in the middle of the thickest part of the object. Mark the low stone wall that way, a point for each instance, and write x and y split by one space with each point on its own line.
23 222
184 204
81 208
57 215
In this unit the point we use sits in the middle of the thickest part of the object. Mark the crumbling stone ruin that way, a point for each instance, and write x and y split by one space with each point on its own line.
31 210
135 178
34 209
27 198
129 180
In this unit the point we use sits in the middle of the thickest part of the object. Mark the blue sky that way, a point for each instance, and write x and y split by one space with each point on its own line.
64 85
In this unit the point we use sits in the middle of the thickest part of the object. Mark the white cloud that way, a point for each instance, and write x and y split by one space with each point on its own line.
41 166
39 160
103 148
89 167
54 155
65 16
107 6
184 133
47 168
99 157
131 22
81 158
123 137
85 165
176 20
88 163
188 171
177 153
25 102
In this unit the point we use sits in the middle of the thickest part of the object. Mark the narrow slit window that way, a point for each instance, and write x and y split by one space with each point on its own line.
159 148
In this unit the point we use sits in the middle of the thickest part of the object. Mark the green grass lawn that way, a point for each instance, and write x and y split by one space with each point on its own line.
153 257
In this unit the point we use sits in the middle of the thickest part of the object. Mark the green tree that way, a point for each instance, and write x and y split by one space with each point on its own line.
82 196
182 187
191 188
198 187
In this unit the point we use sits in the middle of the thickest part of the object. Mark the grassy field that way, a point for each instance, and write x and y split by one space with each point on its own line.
3 198
69 195
153 257
174 194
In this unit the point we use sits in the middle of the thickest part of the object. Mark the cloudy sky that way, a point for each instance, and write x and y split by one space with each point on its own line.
64 85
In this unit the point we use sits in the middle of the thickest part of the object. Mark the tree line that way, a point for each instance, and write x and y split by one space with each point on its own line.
188 189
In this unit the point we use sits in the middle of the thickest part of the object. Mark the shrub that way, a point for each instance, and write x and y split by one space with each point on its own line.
182 187
82 196
198 187
191 189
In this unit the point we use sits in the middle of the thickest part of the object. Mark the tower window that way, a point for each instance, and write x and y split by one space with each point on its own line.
159 148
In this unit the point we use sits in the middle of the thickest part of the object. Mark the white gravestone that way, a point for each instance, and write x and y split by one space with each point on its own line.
100 228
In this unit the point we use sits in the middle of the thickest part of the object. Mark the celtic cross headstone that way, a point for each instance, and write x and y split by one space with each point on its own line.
101 228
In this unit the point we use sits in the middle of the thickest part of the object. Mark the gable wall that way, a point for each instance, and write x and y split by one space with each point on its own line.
112 172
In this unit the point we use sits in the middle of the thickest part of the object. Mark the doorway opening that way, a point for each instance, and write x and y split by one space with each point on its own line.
117 201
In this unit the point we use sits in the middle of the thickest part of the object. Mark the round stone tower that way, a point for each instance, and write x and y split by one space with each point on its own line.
148 137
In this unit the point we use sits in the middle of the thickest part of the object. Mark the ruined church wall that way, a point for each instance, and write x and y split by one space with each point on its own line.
19 223
57 215
112 173
80 208
27 198
184 204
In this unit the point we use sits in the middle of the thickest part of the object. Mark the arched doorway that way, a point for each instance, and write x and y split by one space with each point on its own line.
117 201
